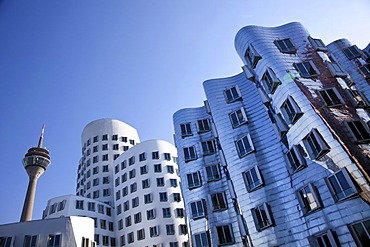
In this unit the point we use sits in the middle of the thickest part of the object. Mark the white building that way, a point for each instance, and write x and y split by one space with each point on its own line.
279 154
131 189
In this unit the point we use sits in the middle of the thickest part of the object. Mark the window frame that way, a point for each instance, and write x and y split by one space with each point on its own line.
352 52
225 235
313 240
317 44
194 185
204 125
249 183
290 110
365 70
208 147
251 56
219 201
331 97
198 209
340 185
185 129
354 232
247 149
211 174
305 200
201 239
358 130
295 160
270 81
311 140
238 117
262 220
232 94
307 69
284 47
190 153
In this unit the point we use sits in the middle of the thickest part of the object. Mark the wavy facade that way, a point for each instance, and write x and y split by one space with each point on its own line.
291 138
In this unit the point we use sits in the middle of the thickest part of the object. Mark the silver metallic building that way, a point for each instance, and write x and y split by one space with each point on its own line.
279 154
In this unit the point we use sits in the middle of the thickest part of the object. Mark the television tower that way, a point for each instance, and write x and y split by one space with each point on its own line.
35 162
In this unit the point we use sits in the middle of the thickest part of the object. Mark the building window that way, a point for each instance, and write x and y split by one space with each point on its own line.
135 202
357 99
198 209
336 70
137 218
253 179
208 147
325 239
244 146
132 142
150 214
143 170
29 241
219 201
160 182
167 156
132 173
295 159
155 155
125 148
105 147
270 80
163 196
120 224
96 194
186 129
124 177
133 188
115 147
148 198
174 244
361 232
95 159
170 229
105 157
126 206
105 137
95 149
201 239
179 212
131 161
262 216
130 237
190 154
317 44
170 169
251 56
128 221
91 206
232 94
238 117
285 46
307 69
225 235
105 168
88 142
341 185
124 191
359 131
119 209
157 168
166 212
55 240
309 199
114 137
61 205
330 97
53 208
315 145
154 231
106 192
365 70
101 209
142 157
145 183
106 180
213 173
204 125
80 204
352 52
290 110
183 229
176 197
140 234
173 182
194 180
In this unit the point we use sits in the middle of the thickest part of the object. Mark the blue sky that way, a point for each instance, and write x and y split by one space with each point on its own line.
66 63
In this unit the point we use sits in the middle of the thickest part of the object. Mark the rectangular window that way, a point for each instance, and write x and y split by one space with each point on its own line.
190 154
148 198
219 201
132 142
105 137
331 97
145 183
126 206
131 161
204 125
173 182
140 234
244 146
133 188
105 157
251 56
176 197
29 241
166 212
317 44
130 237
106 180
198 209
95 149
170 169
91 206
123 164
150 214
174 244
96 194
357 98
95 159
361 232
114 137
61 205
325 239
170 229
341 185
167 156
124 177
290 110
270 80
105 168
253 179
132 173
232 94
101 209
359 131
123 139
183 229
143 170
155 155
186 129
194 180
295 158
208 147
285 46
201 239
125 148
315 145
154 231
80 204
137 218
157 168
335 69
163 197
365 70
352 52
308 198
142 157
307 69
262 216
238 117
180 212
105 147
55 240
160 182
213 173
106 192
115 147
225 235
135 202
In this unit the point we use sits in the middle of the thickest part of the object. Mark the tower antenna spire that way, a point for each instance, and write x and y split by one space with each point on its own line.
41 136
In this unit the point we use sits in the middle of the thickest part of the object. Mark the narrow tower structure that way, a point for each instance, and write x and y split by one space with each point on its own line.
35 162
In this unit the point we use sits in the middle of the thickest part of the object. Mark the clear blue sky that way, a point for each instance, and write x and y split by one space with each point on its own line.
66 63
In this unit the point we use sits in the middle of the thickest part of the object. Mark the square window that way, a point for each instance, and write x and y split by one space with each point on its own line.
219 201
170 169
198 209
262 216
105 137
270 81
285 46
331 97
204 125
194 180
336 70
176 197
143 170
295 159
115 147
253 179
341 185
232 94
174 244
213 173
29 241
91 206
155 155
115 156
114 137
323 239
123 139
357 98
307 69
173 182
105 147
132 142
105 168
163 197
53 240
352 52
106 180
190 153
315 145
185 130
125 148
244 146
225 234
309 199
208 147
148 198
167 156
238 117
180 213
157 168
80 204
160 182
